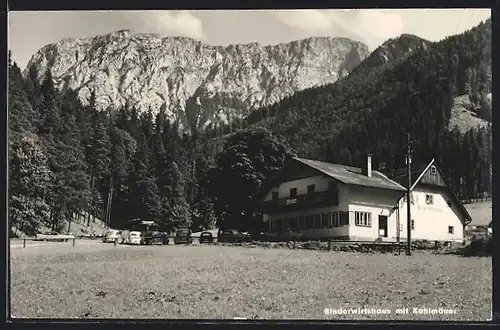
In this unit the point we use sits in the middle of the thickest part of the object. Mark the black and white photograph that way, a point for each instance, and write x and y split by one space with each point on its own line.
312 164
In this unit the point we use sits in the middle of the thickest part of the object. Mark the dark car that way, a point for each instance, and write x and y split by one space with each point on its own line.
289 235
183 236
206 237
155 237
232 236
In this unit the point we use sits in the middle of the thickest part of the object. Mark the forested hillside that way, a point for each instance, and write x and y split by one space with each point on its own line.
66 157
374 108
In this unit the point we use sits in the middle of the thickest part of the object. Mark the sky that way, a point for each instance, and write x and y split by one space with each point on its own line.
30 31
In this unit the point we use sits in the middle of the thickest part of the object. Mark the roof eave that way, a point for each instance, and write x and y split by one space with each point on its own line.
377 187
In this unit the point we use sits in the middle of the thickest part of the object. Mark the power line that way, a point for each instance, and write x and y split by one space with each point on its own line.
470 19
459 21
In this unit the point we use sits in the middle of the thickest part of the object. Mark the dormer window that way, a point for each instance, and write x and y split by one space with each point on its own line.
433 170
275 195
293 193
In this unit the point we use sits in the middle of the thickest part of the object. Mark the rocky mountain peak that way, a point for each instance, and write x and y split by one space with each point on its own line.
193 82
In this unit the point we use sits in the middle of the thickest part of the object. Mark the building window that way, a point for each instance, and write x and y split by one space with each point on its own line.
293 193
412 224
330 220
275 195
310 189
309 221
433 170
335 219
363 219
317 221
286 224
451 229
429 200
338 220
345 216
300 222
324 220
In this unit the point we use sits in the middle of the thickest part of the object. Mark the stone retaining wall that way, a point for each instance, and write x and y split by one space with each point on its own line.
363 247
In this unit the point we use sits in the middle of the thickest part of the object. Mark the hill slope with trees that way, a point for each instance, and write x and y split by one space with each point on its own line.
376 106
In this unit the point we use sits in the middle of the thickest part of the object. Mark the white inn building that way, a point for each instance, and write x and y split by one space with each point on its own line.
322 200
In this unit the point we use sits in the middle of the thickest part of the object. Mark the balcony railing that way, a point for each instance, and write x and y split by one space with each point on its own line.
315 200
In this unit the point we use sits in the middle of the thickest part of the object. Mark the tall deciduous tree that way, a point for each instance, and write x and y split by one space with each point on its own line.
249 157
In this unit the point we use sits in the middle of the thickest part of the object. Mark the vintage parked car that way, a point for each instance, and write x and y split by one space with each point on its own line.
289 235
206 237
155 237
183 236
134 237
232 236
53 236
112 235
286 235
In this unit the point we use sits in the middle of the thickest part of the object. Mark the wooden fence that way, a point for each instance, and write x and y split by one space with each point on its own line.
46 240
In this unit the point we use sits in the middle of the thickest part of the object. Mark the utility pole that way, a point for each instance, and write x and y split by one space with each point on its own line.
408 196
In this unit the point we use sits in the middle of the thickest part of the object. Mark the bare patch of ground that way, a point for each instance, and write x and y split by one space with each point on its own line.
463 116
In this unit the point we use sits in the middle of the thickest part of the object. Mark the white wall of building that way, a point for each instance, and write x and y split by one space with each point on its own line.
376 202
431 222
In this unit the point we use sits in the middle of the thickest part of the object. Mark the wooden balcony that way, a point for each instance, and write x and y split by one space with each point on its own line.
301 202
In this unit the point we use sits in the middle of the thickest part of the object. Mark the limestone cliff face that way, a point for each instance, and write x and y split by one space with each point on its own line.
196 83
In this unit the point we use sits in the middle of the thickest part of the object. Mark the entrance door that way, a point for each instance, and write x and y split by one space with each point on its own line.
382 226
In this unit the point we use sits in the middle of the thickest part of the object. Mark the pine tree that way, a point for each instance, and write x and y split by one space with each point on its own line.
180 210
99 163
49 110
29 180
22 117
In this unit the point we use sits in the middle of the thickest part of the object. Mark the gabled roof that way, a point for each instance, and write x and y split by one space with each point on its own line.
401 176
352 175
417 173
342 173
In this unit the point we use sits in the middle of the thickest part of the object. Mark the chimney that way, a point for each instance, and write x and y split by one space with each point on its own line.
368 168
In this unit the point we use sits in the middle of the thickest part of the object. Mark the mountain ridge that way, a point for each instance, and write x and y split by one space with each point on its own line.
196 83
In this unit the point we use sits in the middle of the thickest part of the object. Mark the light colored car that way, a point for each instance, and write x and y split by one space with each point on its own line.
134 237
112 235
53 236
